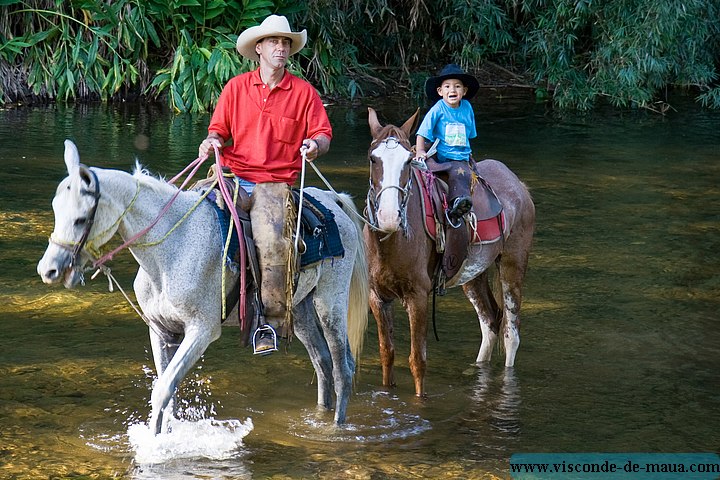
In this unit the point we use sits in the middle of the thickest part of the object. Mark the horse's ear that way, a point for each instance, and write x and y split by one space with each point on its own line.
72 158
375 126
75 169
410 124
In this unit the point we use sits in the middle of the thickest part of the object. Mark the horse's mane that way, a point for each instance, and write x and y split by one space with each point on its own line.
159 184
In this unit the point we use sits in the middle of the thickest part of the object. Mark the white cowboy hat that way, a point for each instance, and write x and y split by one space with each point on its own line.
272 26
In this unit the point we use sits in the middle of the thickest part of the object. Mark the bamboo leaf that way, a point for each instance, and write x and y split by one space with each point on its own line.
151 32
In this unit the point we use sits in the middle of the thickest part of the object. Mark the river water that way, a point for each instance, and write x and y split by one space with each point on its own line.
620 346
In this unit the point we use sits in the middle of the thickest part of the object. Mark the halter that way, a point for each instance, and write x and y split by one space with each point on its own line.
372 197
79 246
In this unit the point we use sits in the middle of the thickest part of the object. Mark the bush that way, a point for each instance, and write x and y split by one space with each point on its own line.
575 52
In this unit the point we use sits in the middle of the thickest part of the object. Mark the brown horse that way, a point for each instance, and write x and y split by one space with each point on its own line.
404 258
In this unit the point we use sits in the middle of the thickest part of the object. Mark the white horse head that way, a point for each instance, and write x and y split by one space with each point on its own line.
75 206
390 155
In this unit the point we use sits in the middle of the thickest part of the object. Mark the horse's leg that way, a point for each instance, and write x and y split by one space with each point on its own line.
164 345
306 328
383 313
512 266
481 297
190 350
332 313
416 306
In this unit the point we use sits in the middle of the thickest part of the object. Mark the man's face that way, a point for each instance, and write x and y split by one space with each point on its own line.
274 51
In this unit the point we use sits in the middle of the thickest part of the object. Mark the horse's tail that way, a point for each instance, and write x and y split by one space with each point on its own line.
359 283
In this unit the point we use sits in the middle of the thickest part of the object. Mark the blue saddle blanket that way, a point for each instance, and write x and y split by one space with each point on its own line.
322 240
223 217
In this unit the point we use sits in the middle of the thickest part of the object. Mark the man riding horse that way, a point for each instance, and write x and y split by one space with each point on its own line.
274 120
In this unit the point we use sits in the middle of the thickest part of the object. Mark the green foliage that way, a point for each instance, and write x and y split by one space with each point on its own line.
625 51
575 53
204 56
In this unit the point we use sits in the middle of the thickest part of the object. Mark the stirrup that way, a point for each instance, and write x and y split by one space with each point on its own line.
450 222
265 329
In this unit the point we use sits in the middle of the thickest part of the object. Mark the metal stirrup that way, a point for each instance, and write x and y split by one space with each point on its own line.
265 329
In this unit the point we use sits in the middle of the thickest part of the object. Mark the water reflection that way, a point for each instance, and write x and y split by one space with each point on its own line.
493 415
499 397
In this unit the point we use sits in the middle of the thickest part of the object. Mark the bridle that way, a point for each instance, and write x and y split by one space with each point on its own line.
371 207
77 247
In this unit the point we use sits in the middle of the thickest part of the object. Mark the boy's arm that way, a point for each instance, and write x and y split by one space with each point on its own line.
420 147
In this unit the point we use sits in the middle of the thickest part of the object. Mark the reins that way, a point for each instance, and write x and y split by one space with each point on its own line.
108 256
351 208
300 201
230 203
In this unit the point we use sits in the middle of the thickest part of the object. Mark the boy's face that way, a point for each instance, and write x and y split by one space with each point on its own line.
452 91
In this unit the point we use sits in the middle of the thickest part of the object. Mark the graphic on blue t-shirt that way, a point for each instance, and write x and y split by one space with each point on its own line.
455 135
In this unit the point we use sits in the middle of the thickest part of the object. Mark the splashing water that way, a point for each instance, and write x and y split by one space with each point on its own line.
195 433
385 418
206 438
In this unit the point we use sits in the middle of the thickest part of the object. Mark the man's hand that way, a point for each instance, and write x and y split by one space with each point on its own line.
310 148
314 147
208 145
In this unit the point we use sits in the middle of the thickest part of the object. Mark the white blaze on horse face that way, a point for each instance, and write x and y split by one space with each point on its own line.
388 203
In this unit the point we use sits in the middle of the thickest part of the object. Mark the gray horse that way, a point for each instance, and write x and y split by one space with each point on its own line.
178 285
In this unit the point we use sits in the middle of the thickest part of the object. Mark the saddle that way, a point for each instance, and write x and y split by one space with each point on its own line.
487 209
320 239
319 233
484 224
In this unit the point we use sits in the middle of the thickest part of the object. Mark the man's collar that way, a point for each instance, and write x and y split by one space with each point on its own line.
284 83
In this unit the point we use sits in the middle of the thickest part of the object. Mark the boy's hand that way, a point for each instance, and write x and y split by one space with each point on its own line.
419 162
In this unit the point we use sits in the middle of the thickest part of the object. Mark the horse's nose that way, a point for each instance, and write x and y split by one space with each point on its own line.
48 273
388 219
48 276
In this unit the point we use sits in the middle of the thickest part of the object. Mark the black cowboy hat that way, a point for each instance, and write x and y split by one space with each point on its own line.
451 71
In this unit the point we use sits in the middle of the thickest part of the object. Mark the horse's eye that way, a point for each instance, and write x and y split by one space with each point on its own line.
80 221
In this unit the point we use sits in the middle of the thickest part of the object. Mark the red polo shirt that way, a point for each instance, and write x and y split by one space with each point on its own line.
268 126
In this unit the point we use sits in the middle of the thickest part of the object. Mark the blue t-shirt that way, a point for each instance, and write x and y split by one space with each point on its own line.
453 126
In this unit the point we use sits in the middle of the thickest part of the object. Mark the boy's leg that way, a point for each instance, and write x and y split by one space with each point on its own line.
459 180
